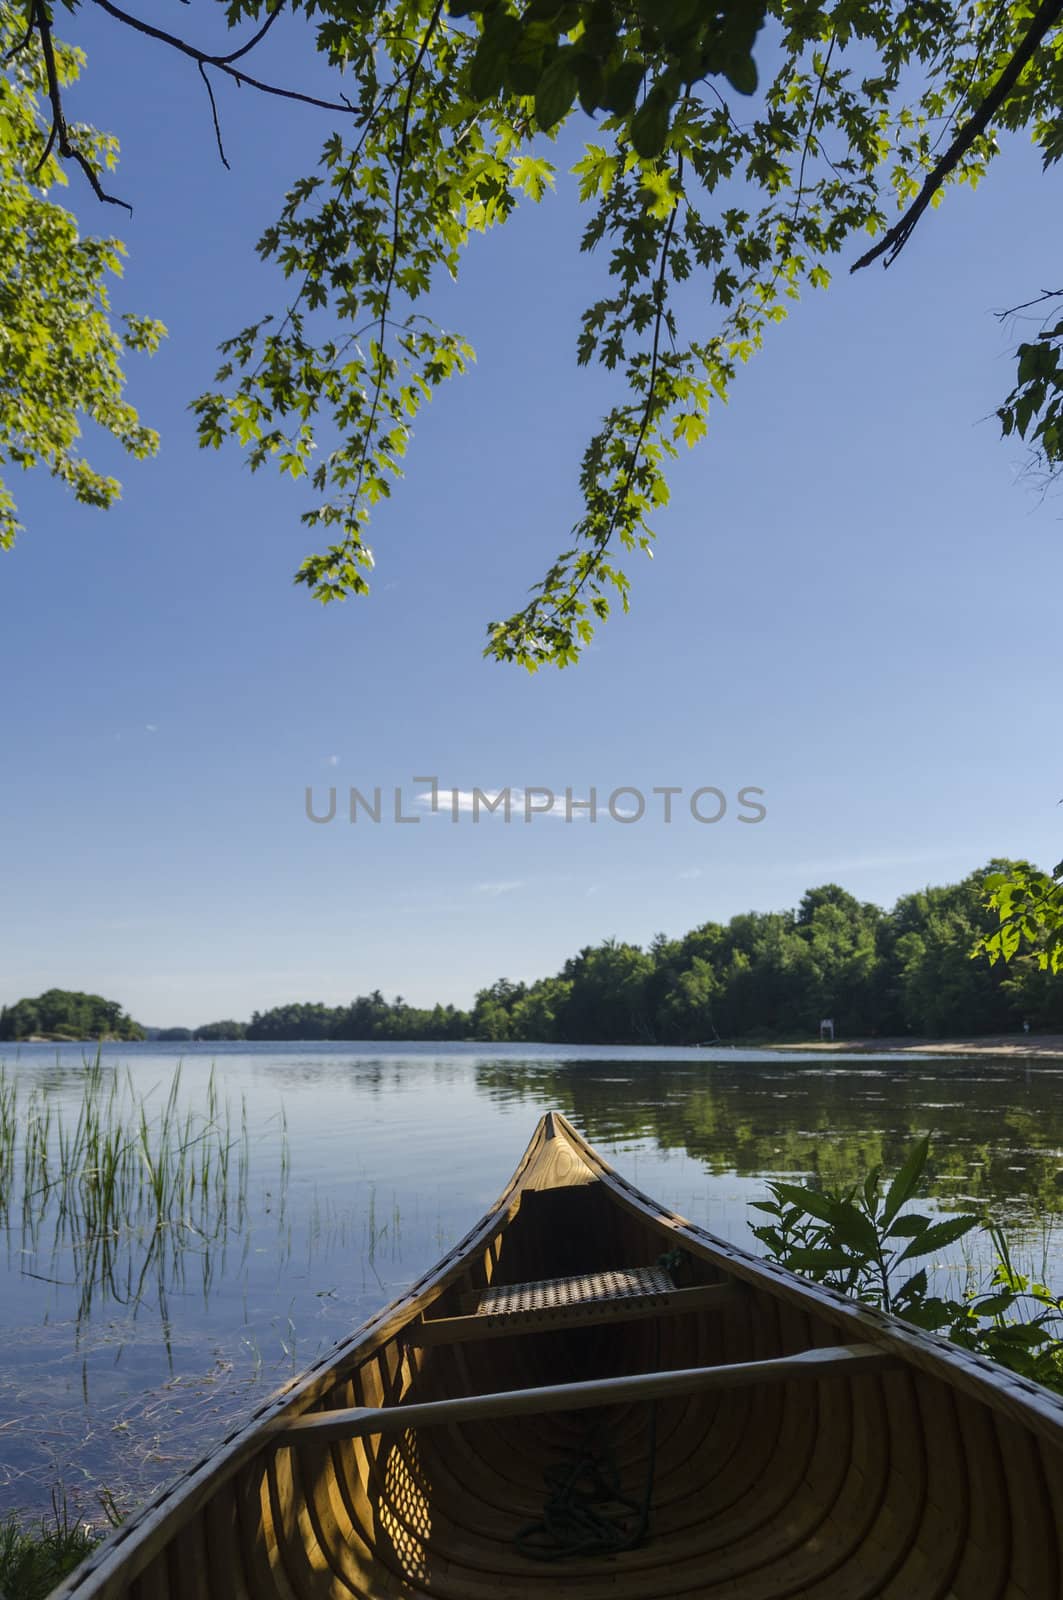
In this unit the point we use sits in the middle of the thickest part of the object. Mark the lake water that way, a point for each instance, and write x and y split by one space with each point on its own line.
127 1351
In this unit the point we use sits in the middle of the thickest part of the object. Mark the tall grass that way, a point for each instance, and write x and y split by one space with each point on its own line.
35 1557
127 1191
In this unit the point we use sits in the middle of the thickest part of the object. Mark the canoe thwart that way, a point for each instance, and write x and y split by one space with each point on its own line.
825 1361
629 1295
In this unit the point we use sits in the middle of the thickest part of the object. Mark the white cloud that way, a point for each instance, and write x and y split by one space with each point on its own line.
151 727
504 886
690 874
333 761
467 801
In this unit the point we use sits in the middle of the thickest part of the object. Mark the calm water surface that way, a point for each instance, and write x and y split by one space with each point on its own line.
355 1167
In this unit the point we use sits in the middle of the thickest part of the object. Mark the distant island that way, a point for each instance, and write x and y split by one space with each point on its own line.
761 977
61 1014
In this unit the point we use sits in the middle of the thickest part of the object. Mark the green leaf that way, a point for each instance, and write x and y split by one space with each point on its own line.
903 1186
938 1236
807 1200
914 1289
741 73
854 1229
649 125
994 1305
487 74
556 90
673 17
622 86
591 80
534 175
909 1225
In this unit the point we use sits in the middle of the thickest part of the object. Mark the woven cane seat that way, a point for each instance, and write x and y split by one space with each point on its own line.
617 1283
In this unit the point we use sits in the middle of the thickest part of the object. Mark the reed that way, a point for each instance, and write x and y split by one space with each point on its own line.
126 1189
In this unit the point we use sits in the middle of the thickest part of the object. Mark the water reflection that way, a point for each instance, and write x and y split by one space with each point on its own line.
997 1133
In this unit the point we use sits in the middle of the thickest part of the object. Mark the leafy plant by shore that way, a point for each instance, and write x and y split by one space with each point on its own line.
863 1242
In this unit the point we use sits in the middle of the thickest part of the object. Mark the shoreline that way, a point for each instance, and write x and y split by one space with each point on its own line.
1005 1046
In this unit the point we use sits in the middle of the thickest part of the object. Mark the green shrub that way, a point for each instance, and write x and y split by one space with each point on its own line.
863 1242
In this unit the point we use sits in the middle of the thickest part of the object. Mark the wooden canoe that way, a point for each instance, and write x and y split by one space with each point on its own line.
793 1443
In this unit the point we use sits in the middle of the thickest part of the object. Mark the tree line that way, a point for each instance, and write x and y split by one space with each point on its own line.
762 975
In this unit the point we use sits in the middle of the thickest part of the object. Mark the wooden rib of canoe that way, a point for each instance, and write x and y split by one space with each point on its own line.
806 1447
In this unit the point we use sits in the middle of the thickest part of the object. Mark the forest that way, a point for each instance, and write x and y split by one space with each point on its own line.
761 976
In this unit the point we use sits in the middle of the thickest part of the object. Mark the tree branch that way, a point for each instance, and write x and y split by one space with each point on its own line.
400 172
214 114
1046 294
602 542
893 242
16 49
257 37
223 63
60 134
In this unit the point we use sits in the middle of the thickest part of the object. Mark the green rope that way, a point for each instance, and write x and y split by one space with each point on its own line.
586 1512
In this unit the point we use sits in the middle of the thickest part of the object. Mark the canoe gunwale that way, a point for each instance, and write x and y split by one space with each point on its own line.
126 1553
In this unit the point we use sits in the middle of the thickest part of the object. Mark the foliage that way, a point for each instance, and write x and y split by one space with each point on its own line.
1029 907
762 975
680 184
776 974
34 1559
725 157
1034 408
60 345
864 1242
65 1013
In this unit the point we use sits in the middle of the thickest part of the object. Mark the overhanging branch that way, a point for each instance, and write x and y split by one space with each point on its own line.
893 242
59 137
204 58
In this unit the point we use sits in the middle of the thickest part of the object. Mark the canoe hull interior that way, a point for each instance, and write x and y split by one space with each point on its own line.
909 1483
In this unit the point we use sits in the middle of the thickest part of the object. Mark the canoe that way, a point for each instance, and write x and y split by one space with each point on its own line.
591 1395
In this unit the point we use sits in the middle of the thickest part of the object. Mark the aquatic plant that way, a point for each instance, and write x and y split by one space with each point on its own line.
130 1191
864 1241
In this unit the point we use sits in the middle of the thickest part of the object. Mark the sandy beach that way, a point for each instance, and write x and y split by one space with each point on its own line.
1046 1045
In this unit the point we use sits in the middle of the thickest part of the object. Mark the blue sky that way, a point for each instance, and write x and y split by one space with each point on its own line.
849 608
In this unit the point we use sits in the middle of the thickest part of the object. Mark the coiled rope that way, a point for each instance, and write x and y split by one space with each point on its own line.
586 1511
